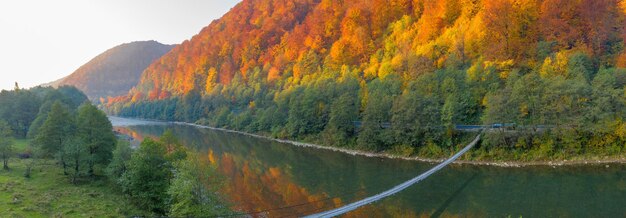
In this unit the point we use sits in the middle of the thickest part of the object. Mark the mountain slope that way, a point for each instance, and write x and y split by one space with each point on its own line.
400 75
115 71
280 36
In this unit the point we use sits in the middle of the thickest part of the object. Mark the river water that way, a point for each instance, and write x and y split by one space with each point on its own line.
271 179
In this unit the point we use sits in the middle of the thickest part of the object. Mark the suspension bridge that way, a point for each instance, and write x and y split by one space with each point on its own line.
353 206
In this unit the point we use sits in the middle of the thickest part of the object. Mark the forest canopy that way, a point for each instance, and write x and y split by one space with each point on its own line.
400 74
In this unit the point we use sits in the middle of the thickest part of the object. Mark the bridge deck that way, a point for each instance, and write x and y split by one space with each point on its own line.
396 189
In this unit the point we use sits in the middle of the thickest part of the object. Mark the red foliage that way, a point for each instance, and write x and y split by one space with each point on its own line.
591 23
276 35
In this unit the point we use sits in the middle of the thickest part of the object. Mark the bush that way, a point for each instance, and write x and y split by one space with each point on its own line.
403 150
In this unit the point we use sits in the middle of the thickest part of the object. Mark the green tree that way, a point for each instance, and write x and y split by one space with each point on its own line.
563 101
606 101
6 143
449 113
308 111
147 178
526 93
19 108
193 190
95 130
33 130
120 161
72 96
56 130
416 118
501 106
189 110
343 112
76 156
377 114
580 64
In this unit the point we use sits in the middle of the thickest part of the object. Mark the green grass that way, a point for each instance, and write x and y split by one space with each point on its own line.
48 193
21 145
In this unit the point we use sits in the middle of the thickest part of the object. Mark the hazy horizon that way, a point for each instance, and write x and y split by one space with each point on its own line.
51 40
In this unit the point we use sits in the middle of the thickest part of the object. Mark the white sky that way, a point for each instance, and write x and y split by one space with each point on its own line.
42 40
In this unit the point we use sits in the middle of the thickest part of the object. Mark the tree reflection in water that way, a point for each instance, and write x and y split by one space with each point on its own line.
287 181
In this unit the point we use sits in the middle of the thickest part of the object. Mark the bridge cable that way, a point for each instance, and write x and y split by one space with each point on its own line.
324 199
396 189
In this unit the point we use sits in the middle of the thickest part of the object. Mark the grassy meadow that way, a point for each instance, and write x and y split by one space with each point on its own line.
46 195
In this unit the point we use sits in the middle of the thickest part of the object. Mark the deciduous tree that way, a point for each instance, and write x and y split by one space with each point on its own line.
56 130
6 143
193 192
95 130
120 161
76 156
148 177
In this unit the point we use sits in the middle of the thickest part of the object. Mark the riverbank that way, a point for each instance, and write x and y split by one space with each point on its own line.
261 173
577 160
554 163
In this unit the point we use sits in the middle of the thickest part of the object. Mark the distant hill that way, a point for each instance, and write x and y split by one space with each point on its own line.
115 71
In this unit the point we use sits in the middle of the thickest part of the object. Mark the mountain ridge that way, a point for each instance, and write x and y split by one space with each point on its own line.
115 71
279 36
400 75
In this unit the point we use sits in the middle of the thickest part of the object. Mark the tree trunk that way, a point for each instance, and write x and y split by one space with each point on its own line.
75 172
5 161
63 159
90 168
91 163
64 166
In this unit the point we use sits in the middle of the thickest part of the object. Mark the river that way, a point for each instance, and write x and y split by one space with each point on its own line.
283 180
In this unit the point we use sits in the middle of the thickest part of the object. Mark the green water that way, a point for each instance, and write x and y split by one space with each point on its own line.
282 180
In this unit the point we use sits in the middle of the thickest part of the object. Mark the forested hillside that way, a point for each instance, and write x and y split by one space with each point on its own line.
397 75
115 71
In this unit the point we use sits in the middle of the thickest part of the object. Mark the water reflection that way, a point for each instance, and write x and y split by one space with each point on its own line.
279 180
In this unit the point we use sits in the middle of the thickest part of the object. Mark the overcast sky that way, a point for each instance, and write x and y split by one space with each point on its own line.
43 40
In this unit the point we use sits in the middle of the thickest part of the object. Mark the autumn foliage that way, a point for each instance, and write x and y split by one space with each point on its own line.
292 38
399 74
